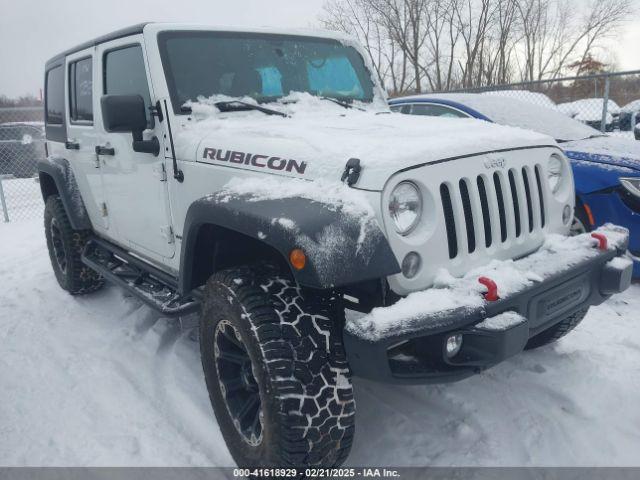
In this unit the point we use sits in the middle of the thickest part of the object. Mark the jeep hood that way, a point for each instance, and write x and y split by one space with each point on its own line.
317 143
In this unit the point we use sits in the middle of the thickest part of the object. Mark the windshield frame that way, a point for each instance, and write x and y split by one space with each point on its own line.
165 35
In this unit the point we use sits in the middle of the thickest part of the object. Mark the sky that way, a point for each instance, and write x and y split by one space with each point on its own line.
31 31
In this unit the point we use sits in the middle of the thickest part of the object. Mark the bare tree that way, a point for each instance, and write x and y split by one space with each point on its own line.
444 44
405 22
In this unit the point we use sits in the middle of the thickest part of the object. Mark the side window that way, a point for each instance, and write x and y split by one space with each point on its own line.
81 90
125 74
401 108
436 111
54 94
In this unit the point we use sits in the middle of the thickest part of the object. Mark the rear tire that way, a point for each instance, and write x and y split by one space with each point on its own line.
558 331
260 332
65 250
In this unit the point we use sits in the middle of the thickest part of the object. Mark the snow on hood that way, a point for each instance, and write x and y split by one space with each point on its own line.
518 112
325 136
612 151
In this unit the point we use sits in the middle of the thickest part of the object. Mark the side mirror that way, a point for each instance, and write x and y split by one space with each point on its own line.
127 113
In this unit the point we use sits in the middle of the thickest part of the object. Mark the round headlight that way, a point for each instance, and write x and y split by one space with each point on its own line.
554 173
405 207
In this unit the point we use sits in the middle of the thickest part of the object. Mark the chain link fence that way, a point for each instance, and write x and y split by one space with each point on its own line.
21 147
608 102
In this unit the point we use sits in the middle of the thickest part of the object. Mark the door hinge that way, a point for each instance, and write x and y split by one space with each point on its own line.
161 172
103 208
167 233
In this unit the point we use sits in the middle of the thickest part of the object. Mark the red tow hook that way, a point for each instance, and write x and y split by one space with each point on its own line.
492 289
602 240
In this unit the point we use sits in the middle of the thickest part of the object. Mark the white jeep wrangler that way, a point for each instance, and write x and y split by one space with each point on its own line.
259 178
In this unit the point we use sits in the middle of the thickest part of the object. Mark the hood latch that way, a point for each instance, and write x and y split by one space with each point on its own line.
351 171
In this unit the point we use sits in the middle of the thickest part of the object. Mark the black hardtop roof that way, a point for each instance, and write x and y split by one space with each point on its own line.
123 32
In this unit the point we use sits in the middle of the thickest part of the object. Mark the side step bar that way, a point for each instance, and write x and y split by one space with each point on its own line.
151 285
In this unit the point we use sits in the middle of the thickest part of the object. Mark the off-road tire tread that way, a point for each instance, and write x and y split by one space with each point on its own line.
78 279
558 331
305 361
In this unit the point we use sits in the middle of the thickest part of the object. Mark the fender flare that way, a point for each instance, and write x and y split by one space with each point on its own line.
341 250
58 170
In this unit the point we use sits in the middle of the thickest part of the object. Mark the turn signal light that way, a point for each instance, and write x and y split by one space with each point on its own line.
297 258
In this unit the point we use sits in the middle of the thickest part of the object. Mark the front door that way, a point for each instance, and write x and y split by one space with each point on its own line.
135 182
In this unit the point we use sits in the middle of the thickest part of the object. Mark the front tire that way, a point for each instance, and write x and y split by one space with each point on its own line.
558 331
263 337
65 250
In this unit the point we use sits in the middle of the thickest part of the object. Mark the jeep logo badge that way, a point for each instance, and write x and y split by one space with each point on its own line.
498 162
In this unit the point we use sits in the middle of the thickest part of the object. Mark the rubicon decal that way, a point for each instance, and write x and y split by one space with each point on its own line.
255 160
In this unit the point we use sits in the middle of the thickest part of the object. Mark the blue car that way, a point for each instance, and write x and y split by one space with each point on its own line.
606 169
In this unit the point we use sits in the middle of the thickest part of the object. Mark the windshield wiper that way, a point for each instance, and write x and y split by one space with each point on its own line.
342 103
239 105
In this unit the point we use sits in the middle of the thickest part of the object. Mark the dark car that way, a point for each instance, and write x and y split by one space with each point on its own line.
21 146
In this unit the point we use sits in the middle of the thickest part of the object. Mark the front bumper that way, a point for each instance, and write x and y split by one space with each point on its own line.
491 331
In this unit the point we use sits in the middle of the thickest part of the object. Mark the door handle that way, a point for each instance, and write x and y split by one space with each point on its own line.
102 150
70 145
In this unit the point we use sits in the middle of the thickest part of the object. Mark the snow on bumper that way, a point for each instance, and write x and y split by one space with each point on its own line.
565 275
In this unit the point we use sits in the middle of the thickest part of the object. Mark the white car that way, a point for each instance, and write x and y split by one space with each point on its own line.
258 177
629 116
536 98
590 111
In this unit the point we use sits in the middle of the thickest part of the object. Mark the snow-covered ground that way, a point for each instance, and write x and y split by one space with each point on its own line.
101 380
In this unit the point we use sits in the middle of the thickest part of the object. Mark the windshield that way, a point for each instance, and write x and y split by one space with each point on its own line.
265 67
516 113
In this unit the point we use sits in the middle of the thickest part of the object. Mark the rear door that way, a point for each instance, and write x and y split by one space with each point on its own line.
82 136
135 182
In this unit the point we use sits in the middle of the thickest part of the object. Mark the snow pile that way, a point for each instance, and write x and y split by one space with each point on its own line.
501 322
450 294
520 113
296 103
535 98
620 263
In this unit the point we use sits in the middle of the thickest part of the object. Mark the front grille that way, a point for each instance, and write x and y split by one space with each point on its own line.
449 220
486 209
